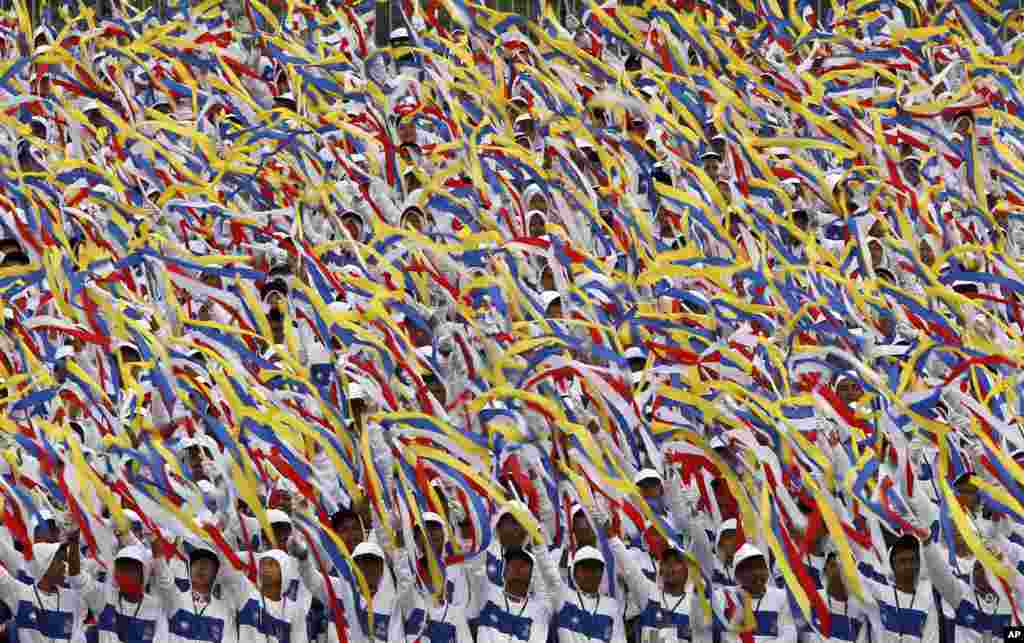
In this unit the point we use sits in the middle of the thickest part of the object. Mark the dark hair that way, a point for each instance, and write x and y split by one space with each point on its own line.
200 554
906 541
341 516
518 553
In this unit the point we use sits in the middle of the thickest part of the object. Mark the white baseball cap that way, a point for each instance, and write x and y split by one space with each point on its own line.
746 552
367 548
278 517
584 554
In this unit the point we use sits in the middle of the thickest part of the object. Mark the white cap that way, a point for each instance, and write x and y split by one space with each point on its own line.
431 517
634 352
135 552
367 548
646 474
746 552
42 557
64 351
576 509
401 32
717 442
728 525
586 553
278 517
549 296
355 391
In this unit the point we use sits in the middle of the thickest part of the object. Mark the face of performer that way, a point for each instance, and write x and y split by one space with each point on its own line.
582 531
372 569
587 575
906 564
752 575
510 532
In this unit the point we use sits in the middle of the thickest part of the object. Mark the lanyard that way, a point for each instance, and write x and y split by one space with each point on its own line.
120 612
427 618
896 596
508 607
42 608
579 597
846 607
988 621
195 605
264 610
664 604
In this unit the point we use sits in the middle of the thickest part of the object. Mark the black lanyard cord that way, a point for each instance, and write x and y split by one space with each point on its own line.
896 596
42 608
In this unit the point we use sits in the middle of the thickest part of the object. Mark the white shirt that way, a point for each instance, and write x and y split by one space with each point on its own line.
40 617
850 622
915 614
774 621
502 618
662 616
118 620
976 618
419 617
581 618
355 609
194 618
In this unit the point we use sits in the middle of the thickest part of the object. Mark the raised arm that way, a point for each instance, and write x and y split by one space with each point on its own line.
163 582
476 576
234 585
93 592
941 573
9 556
637 583
555 587
682 510
311 578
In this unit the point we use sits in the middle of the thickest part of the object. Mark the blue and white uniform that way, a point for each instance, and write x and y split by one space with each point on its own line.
420 617
360 628
41 617
978 617
579 617
662 616
117 619
773 620
196 618
899 617
262 620
502 618
850 622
